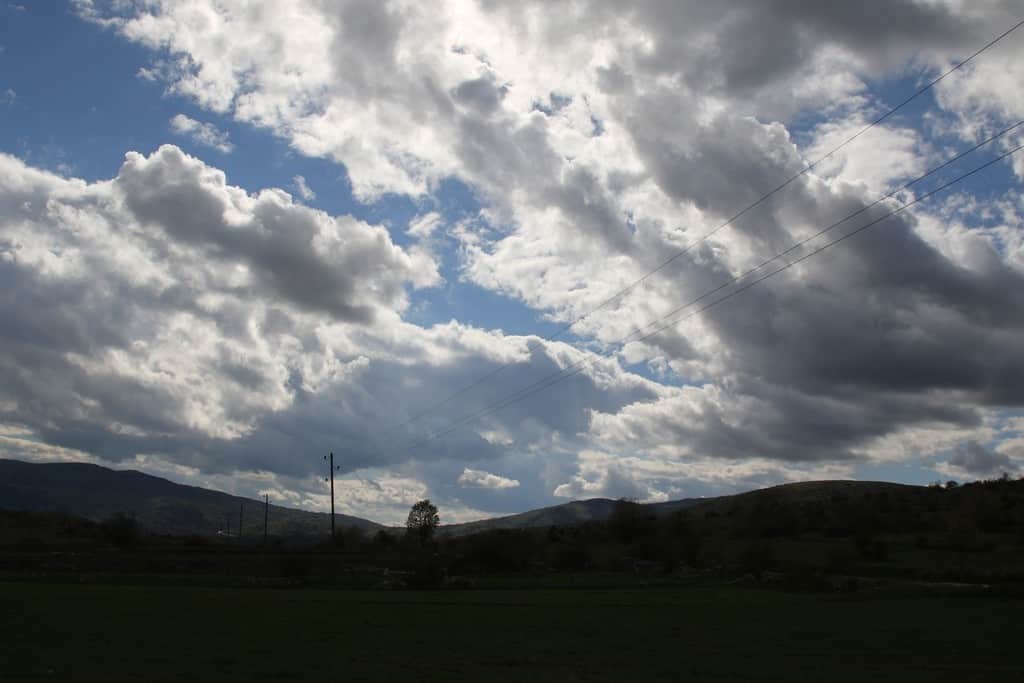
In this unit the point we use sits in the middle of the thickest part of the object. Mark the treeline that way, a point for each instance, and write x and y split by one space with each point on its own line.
970 532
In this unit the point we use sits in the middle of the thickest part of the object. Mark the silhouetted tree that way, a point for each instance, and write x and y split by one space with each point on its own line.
422 521
121 530
382 540
624 519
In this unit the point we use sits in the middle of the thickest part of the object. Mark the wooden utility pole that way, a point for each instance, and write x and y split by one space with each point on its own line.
266 514
332 496
241 507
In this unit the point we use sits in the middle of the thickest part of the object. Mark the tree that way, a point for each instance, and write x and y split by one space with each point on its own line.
624 519
422 521
121 530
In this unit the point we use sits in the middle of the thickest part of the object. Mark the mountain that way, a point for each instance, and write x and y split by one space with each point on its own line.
159 505
576 512
567 513
162 506
599 509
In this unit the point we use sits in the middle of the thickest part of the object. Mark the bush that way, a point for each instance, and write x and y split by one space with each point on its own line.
31 544
196 541
427 574
459 583
757 559
295 566
871 548
121 530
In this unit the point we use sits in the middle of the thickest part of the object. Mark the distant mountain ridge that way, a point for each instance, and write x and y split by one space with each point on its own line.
159 505
162 506
575 512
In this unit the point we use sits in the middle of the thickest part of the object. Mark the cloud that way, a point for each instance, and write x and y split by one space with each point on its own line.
424 226
162 313
605 479
486 480
976 460
166 299
8 96
205 134
255 327
302 187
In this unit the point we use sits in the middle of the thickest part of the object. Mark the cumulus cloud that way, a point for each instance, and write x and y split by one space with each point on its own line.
974 459
163 313
598 140
163 299
601 477
486 480
424 226
303 188
205 134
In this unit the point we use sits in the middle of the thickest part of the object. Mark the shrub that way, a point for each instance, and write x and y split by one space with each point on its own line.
121 530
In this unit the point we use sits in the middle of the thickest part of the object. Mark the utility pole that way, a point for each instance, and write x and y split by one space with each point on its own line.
241 507
331 466
266 514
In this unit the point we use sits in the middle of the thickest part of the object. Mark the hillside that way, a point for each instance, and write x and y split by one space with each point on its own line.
600 509
566 514
159 505
576 512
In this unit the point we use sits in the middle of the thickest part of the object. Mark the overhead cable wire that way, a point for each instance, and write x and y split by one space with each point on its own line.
579 366
674 257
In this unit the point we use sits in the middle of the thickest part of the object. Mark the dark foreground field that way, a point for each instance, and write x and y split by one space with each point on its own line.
64 632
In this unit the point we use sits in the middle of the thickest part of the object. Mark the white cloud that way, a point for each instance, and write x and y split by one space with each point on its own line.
973 460
877 158
170 283
425 225
486 480
205 134
302 187
596 152
8 96
164 313
599 476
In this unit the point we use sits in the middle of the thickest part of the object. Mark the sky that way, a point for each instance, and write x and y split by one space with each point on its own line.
235 237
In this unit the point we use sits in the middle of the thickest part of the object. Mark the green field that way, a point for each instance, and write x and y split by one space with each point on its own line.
94 632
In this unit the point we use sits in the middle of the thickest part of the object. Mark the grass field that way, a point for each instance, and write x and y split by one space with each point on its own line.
93 632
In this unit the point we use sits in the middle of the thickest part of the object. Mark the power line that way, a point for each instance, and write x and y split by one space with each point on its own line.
578 367
832 226
631 286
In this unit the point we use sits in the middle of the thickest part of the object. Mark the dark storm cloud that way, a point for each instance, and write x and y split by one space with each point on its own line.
479 93
975 459
886 333
293 252
741 49
361 420
874 336
134 310
885 312
137 329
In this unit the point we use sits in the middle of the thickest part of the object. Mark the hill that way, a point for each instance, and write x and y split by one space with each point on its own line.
576 512
566 514
158 505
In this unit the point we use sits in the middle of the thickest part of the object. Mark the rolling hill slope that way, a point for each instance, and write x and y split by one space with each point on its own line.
162 506
159 505
566 514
